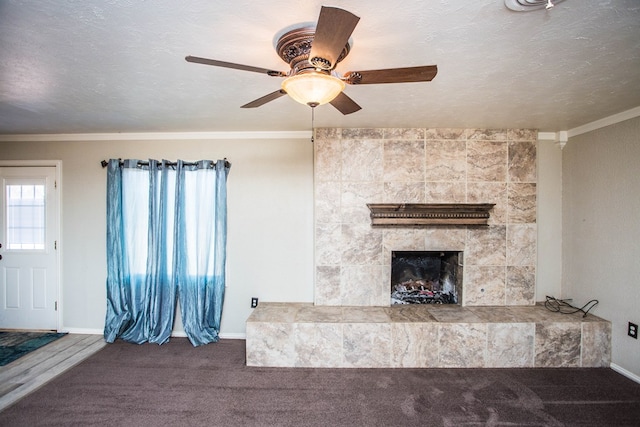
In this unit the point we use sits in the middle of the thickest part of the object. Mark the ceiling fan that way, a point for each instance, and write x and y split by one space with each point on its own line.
313 54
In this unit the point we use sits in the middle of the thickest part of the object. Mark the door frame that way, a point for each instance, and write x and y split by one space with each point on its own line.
57 164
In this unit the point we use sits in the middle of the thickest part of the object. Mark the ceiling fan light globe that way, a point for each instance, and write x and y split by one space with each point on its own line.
313 88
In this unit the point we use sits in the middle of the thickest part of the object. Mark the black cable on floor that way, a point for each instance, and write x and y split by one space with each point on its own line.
562 306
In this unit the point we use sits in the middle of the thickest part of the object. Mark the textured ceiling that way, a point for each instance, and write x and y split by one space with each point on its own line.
71 66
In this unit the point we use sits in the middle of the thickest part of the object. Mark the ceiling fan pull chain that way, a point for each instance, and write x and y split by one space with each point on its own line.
313 132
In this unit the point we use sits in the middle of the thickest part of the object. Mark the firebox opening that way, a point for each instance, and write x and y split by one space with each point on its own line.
426 277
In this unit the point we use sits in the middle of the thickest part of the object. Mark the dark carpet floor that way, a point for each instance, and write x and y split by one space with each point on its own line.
178 385
15 344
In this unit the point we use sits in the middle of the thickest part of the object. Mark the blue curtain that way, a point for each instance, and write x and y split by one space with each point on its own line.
166 242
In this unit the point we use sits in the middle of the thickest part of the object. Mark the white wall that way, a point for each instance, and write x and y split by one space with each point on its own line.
601 230
270 221
549 220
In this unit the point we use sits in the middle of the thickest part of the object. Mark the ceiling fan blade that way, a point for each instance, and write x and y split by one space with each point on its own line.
344 104
263 100
332 34
224 64
423 73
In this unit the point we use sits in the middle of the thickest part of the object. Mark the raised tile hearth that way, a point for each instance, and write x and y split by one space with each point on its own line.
419 336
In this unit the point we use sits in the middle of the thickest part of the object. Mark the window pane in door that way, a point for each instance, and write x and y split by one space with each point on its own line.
25 216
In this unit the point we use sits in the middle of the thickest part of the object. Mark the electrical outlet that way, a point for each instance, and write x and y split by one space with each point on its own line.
633 330
254 302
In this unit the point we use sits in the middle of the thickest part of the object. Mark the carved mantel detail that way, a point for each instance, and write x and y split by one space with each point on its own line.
428 214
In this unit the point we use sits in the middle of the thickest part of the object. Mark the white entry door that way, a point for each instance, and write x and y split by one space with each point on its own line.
28 235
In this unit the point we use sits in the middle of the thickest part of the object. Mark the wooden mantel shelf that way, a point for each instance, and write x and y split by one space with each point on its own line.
422 214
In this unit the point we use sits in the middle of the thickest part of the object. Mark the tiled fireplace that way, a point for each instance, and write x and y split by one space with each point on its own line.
354 167
495 321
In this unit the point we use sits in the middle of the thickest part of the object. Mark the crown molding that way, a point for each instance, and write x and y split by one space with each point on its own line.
562 137
607 121
155 136
160 136
547 136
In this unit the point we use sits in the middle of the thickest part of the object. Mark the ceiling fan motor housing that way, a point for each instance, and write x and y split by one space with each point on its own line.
294 47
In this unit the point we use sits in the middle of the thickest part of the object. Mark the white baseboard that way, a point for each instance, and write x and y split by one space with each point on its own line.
82 331
180 334
628 374
229 336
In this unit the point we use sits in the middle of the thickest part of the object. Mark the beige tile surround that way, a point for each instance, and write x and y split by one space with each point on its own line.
498 323
354 167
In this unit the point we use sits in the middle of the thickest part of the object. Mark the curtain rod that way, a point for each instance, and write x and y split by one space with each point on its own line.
104 163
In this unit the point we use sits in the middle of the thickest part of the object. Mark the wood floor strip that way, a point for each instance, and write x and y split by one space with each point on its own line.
41 358
52 360
44 364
